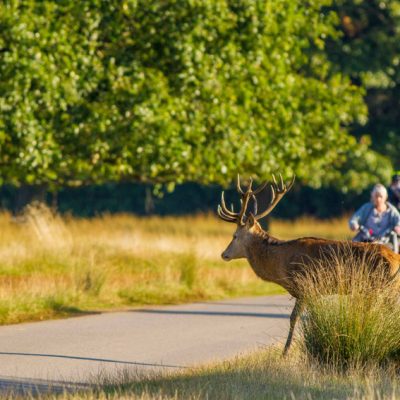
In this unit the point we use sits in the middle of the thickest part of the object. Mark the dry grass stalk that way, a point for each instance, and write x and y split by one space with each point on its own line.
52 266
352 311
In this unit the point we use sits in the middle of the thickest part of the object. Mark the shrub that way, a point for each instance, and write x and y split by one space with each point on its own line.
352 314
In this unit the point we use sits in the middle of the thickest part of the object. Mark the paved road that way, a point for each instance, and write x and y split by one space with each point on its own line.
78 349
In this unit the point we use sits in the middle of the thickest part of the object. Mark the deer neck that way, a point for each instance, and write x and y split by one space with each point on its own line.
266 256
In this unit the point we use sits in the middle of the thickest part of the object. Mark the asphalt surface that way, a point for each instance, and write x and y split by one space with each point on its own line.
54 354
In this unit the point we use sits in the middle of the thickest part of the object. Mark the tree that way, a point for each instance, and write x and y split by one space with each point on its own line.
369 52
172 91
48 69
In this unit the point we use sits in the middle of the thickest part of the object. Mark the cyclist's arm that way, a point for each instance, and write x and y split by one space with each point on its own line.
358 218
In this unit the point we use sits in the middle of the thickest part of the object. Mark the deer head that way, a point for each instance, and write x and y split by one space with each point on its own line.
247 224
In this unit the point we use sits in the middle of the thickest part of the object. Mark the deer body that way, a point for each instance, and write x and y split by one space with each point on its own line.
282 261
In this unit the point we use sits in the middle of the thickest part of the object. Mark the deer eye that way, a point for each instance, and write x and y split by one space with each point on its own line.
235 236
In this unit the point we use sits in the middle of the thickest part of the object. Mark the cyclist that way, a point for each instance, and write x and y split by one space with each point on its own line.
394 190
376 220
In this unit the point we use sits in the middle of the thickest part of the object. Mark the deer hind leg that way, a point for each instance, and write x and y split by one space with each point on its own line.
297 309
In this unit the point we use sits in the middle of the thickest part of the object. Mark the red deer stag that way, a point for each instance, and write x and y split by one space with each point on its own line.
281 261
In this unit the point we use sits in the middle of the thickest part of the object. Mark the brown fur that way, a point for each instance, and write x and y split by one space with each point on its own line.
280 261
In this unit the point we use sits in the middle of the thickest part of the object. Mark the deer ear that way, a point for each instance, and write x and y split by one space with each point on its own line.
250 220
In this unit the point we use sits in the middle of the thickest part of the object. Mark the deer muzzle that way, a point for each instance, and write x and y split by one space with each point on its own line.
225 256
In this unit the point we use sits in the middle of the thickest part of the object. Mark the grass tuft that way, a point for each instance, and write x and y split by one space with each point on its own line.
352 315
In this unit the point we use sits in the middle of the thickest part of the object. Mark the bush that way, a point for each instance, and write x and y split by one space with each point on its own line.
352 312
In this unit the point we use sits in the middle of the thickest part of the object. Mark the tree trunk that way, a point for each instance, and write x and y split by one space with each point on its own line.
27 194
148 201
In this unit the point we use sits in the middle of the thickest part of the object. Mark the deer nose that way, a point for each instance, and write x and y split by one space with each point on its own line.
225 257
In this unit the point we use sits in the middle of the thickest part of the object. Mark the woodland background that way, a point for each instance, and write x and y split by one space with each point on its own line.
152 106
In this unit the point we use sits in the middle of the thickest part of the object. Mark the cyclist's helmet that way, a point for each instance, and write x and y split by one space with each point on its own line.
396 176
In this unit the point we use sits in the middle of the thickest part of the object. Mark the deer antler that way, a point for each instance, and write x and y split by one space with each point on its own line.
231 216
277 192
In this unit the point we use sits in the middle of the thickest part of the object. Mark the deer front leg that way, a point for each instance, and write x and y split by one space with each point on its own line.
297 309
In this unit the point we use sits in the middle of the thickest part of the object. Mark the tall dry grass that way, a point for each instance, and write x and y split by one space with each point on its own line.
261 375
335 228
352 318
53 266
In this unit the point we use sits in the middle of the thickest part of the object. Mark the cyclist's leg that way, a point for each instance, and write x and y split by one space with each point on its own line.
358 237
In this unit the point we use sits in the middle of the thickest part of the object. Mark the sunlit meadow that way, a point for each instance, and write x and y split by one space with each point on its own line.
54 266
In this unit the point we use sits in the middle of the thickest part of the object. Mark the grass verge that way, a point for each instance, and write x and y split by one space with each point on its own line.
261 375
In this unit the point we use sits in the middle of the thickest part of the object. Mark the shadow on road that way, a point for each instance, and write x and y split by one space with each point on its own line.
222 304
103 360
213 313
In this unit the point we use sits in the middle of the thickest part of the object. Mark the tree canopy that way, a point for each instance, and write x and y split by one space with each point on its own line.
172 91
369 53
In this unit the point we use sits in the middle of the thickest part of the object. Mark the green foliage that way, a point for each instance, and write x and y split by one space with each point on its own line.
170 91
48 67
369 52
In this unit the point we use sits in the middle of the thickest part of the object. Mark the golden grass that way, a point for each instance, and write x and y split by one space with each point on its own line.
261 375
52 266
336 228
